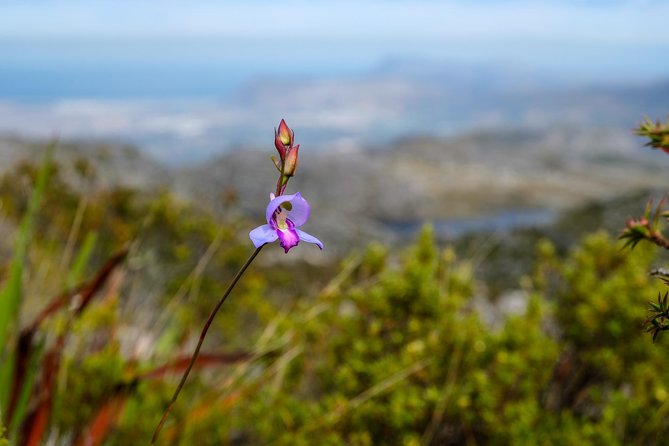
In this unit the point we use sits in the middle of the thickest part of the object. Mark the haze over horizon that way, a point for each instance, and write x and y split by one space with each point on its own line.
190 79
54 49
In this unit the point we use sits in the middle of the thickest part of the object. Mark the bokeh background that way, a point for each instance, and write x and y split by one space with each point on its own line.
458 157
497 109
188 80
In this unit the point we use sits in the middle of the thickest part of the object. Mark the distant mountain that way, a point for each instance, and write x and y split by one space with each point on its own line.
412 99
401 98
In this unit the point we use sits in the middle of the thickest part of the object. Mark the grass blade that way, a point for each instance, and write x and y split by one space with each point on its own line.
78 268
10 294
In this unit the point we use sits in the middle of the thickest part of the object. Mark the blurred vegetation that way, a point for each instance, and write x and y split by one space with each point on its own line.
650 228
386 347
656 132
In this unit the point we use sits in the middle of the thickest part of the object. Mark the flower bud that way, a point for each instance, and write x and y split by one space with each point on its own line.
279 147
283 139
290 164
285 134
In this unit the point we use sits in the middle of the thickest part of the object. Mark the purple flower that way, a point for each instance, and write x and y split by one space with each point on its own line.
285 214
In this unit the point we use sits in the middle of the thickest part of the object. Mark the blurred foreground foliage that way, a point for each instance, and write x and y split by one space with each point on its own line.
389 347
651 227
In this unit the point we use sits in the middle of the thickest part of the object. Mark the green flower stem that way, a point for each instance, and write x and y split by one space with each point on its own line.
199 344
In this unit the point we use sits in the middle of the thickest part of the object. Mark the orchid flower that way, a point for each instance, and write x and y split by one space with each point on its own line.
284 214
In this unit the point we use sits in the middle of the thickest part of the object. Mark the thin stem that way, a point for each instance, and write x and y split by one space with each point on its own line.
199 343
657 238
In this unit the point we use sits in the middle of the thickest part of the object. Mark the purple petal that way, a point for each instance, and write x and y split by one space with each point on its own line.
299 212
309 238
288 238
263 234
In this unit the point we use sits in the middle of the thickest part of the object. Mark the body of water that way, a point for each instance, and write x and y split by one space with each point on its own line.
501 222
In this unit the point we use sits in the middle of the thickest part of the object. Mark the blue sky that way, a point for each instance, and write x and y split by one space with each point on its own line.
207 47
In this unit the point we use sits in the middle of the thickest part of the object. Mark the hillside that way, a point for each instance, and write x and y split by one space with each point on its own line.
359 194
386 193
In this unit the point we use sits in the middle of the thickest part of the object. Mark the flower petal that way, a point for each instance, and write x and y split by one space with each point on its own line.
288 238
309 238
263 234
299 212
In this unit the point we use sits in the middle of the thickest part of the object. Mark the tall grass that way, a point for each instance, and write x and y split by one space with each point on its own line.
12 290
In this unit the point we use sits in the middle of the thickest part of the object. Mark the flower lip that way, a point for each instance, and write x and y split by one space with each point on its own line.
299 212
288 236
